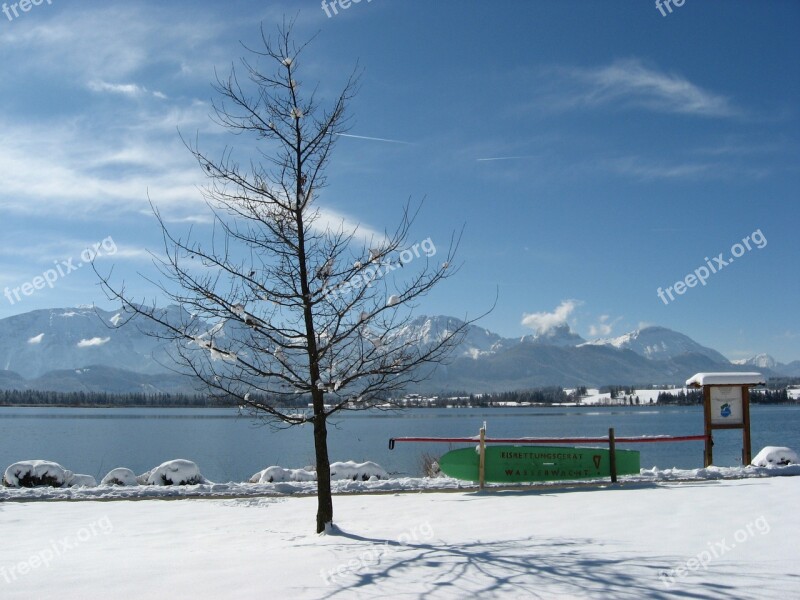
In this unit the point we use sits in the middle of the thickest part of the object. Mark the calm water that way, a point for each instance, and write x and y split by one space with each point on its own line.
229 447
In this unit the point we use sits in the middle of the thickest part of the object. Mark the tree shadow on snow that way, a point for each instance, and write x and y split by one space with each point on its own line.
523 567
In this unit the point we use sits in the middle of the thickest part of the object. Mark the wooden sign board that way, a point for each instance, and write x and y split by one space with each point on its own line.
727 405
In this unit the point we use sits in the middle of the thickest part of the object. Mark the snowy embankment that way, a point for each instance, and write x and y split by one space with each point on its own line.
719 539
288 487
41 479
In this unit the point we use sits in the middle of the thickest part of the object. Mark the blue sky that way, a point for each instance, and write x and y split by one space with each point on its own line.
593 152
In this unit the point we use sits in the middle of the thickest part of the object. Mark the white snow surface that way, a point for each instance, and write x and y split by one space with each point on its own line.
710 539
775 456
726 379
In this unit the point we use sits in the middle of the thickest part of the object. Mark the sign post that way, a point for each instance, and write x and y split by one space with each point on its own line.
726 405
482 459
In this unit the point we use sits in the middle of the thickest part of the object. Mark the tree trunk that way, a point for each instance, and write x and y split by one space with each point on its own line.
324 498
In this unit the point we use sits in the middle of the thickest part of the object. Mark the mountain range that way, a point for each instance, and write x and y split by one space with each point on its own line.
86 349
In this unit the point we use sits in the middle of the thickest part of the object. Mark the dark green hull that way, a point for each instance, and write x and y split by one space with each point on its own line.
510 464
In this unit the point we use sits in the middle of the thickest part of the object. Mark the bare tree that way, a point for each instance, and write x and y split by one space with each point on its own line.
299 308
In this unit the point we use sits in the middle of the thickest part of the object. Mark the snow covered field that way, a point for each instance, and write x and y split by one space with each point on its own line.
701 539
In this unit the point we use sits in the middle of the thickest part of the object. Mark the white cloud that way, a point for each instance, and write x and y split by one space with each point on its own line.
542 322
496 158
87 173
126 89
630 84
788 334
649 171
129 253
603 327
373 139
37 339
113 42
95 341
331 220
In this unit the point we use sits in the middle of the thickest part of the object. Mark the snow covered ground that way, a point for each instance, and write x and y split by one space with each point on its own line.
646 396
702 539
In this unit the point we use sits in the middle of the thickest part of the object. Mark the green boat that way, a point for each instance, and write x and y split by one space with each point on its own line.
512 464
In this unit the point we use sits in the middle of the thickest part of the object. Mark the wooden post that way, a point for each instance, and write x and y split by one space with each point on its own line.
746 450
708 455
612 455
482 463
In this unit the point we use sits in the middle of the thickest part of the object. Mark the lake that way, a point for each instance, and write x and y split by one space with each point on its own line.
231 447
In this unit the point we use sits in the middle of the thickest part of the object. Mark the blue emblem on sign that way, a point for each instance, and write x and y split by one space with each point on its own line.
725 410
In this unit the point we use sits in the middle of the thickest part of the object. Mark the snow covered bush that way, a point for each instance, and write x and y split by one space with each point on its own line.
355 471
76 480
429 465
775 456
173 472
275 474
120 476
35 473
339 470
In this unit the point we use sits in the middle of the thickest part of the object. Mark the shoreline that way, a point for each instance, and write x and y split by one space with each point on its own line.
647 478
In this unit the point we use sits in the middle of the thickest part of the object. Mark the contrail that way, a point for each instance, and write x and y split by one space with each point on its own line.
374 139
504 158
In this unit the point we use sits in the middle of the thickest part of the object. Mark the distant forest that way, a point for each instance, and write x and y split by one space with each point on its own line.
776 393
100 399
767 396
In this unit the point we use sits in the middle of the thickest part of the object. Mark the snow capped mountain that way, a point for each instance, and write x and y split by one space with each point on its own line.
659 343
763 361
91 349
428 330
34 343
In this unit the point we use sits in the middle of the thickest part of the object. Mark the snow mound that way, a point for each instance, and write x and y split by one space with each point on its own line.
35 473
173 472
120 476
775 456
76 480
279 474
351 470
